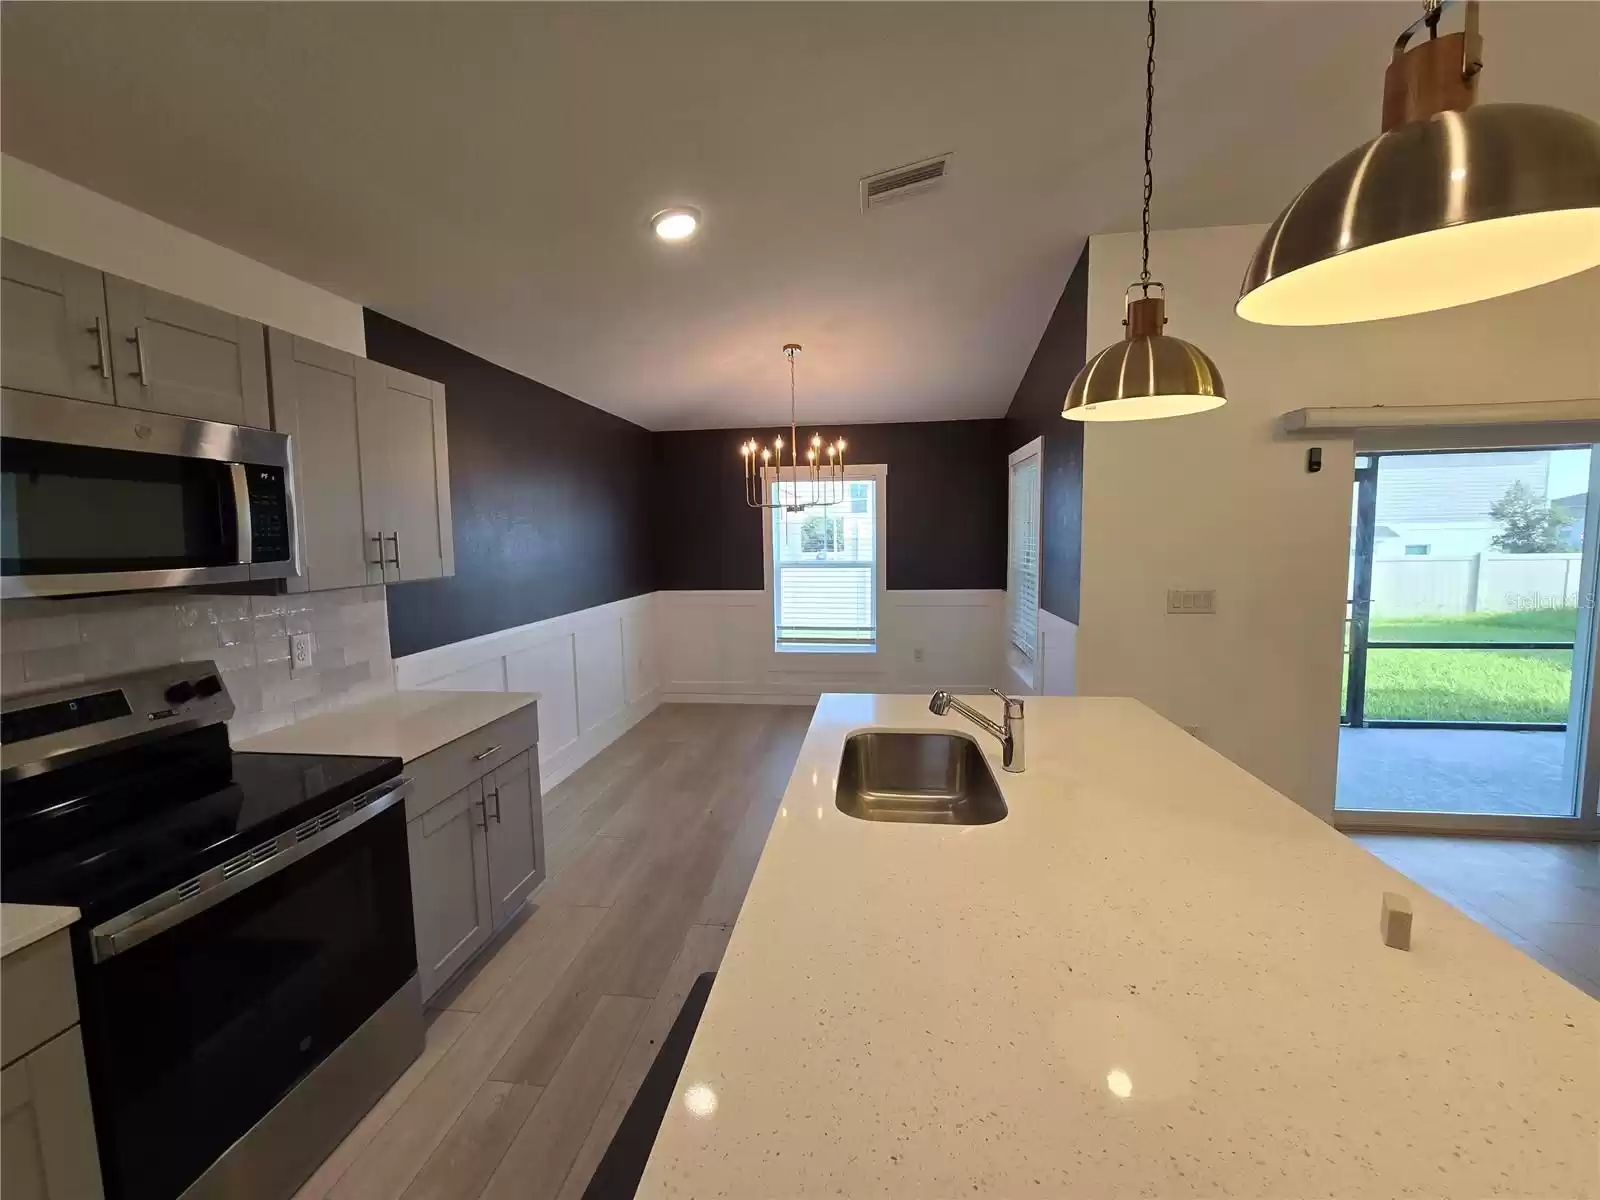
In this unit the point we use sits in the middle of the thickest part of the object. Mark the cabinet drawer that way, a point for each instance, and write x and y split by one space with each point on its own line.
41 998
438 776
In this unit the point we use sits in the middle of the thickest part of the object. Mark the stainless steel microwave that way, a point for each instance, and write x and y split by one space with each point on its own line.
99 498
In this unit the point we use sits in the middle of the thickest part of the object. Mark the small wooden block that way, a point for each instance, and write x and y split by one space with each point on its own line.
1395 923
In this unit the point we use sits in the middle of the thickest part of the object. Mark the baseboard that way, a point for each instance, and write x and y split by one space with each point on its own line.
756 695
739 697
575 753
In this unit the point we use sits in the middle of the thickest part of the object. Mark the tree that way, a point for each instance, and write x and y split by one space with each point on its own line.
817 534
1527 524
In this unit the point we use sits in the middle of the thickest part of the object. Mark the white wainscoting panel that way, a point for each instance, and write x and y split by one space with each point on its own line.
718 646
1058 655
548 669
487 676
639 655
594 672
598 654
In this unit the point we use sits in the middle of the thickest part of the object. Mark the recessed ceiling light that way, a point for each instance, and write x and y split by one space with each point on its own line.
676 224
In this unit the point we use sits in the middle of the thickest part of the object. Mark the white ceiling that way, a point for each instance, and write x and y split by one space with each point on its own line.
485 171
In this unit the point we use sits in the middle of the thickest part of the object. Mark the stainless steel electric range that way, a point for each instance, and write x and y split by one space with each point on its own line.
245 962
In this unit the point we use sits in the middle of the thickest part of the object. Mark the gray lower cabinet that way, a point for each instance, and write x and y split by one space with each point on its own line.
172 355
53 332
515 835
475 832
47 1143
450 885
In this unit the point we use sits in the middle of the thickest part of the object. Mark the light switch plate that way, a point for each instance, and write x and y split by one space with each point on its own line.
1191 601
300 650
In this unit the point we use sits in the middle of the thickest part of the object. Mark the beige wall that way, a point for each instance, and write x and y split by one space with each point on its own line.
52 214
1222 500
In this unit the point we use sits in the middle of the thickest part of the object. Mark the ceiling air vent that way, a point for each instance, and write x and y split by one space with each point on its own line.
902 183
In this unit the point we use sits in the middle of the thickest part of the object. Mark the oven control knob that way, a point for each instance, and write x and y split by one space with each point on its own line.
180 693
210 685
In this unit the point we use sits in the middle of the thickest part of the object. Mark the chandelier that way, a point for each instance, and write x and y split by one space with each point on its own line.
812 484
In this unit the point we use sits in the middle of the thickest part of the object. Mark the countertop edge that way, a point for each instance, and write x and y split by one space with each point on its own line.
21 925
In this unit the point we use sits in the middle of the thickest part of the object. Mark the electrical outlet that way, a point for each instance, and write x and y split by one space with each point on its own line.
300 648
916 654
1191 601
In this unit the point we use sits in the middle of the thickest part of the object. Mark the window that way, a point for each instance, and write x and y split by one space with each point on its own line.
1022 554
1419 548
825 568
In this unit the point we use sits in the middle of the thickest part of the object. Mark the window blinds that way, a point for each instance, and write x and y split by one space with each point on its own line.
1022 565
825 571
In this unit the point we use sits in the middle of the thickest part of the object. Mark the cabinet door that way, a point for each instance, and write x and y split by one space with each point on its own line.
53 333
47 1146
172 355
449 886
516 834
314 402
405 471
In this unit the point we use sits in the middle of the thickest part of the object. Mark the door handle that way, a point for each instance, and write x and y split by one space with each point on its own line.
137 341
496 795
379 564
483 814
395 538
102 362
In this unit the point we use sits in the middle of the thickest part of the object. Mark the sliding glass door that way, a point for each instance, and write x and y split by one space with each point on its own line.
1469 644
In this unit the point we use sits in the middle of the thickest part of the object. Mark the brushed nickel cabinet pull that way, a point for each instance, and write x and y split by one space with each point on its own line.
138 346
102 362
491 750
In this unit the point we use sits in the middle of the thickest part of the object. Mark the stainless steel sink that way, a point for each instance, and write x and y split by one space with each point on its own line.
934 778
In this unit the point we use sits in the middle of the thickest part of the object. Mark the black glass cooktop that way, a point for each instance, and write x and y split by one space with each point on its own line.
107 835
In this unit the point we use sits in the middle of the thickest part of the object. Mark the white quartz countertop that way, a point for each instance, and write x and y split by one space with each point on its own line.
403 725
24 924
1155 977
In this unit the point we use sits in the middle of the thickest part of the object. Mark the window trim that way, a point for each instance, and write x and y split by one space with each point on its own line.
1021 666
795 658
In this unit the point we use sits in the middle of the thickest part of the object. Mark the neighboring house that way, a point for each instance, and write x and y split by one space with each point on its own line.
1575 507
1438 504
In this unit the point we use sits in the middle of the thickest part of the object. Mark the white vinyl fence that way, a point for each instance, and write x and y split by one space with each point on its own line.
1487 582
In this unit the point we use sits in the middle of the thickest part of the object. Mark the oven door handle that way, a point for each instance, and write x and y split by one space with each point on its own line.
176 905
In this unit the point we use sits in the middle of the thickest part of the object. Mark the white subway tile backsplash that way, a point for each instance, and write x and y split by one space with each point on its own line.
58 642
41 633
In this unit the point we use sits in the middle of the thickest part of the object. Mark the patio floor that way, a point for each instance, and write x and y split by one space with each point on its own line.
1453 771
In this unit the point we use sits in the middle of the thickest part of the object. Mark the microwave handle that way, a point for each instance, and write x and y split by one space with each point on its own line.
241 511
173 907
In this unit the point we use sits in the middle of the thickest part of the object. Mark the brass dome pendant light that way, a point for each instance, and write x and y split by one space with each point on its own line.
1148 374
1450 204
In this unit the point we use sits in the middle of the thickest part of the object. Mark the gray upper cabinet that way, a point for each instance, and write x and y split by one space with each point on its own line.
372 472
53 333
172 355
405 471
314 402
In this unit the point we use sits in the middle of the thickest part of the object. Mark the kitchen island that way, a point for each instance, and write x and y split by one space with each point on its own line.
1155 977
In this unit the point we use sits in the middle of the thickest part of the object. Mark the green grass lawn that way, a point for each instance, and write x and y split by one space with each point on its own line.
1471 685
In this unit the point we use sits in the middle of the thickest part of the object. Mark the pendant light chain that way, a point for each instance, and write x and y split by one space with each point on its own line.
1149 134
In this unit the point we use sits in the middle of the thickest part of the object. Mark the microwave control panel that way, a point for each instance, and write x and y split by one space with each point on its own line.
269 515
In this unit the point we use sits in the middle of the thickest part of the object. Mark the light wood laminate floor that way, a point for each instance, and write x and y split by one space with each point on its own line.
535 1052
1542 897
